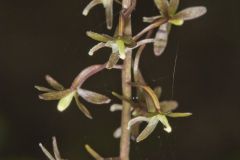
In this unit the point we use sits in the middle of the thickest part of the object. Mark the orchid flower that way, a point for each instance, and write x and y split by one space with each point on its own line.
65 96
57 155
119 45
148 109
107 4
167 9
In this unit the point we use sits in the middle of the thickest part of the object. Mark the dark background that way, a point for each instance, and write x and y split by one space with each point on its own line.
46 36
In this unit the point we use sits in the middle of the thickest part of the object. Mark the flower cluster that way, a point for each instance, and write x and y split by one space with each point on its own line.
147 107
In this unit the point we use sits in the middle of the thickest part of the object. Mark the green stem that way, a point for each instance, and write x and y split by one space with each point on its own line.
126 89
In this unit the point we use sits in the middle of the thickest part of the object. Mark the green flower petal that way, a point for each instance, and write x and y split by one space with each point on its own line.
173 6
43 89
113 60
99 37
161 39
93 97
108 5
168 106
191 13
177 115
53 83
163 119
55 149
82 108
65 102
148 129
56 95
162 5
121 48
152 101
96 48
136 120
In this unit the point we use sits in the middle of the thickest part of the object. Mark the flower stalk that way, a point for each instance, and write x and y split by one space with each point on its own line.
126 88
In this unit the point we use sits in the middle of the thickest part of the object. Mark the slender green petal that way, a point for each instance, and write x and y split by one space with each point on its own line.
82 108
148 129
99 37
92 4
150 19
168 106
137 120
116 107
163 119
96 48
108 5
43 89
173 6
93 97
65 102
45 151
121 48
55 149
113 59
93 153
53 83
151 98
191 13
158 92
161 39
162 5
54 95
176 115
150 103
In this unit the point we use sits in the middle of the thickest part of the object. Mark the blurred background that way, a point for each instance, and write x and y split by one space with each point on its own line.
39 37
